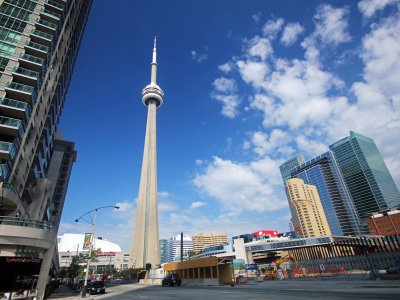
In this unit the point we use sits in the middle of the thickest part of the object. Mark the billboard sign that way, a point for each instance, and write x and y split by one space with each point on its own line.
87 241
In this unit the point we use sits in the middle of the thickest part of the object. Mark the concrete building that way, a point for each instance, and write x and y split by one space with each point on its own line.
323 172
174 247
39 42
202 240
385 223
367 178
145 243
306 208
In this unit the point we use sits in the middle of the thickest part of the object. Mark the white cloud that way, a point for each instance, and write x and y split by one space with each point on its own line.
197 204
124 206
225 68
256 17
369 7
253 72
224 85
239 187
224 92
291 33
331 24
263 143
198 162
310 146
230 104
272 27
260 47
198 57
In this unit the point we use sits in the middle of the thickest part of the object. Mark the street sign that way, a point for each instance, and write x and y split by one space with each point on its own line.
251 267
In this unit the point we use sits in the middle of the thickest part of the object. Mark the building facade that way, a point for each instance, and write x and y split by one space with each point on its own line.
322 172
306 208
39 42
145 250
367 178
202 240
163 251
288 165
385 223
174 247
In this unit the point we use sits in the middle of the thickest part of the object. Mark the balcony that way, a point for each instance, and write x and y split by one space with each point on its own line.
22 92
41 37
51 4
46 26
7 150
37 49
15 109
26 76
10 126
50 16
4 172
26 223
31 62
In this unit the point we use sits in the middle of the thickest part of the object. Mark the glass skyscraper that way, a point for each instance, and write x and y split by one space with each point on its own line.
323 172
289 165
368 180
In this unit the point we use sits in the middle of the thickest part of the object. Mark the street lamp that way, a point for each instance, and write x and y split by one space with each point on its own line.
92 221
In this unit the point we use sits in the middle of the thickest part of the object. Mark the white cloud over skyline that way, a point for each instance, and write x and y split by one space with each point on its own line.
306 105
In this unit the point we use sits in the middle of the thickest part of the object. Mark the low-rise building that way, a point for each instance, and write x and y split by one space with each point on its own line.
385 223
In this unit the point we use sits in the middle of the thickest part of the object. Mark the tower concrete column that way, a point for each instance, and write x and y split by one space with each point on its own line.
145 243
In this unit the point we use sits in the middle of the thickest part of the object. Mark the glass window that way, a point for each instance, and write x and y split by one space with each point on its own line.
6 50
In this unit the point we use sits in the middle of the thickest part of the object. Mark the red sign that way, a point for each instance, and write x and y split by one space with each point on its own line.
265 232
105 253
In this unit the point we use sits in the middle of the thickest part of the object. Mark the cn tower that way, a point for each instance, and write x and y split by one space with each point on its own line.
145 243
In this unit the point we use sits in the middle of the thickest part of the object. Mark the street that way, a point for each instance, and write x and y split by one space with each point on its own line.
313 288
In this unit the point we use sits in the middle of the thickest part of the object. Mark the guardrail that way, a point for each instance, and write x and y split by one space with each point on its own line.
16 221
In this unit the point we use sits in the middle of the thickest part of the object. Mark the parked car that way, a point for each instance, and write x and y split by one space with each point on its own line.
96 287
171 280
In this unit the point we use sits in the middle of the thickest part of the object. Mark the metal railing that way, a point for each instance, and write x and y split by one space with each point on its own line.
8 147
47 24
37 46
26 72
32 58
16 104
55 4
50 13
15 221
42 34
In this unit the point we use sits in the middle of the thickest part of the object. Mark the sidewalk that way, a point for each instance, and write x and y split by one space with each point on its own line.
64 292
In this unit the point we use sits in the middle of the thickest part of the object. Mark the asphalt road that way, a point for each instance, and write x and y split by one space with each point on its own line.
299 289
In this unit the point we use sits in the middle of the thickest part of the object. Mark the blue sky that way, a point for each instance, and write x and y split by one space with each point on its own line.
248 84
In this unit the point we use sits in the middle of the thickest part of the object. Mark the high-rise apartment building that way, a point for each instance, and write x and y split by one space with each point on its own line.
322 172
367 178
174 247
202 240
288 165
306 208
39 42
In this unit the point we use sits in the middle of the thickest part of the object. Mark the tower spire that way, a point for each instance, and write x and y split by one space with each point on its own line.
154 63
155 51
